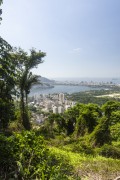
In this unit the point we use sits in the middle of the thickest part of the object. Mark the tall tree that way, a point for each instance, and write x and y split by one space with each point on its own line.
25 63
7 82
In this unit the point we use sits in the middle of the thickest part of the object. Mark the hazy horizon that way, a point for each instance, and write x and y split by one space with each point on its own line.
84 78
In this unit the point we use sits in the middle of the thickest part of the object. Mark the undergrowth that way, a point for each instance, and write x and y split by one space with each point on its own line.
89 166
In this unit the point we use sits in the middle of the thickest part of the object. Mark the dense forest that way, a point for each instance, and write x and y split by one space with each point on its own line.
81 143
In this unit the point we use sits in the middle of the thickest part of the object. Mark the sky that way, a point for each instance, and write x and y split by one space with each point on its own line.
81 38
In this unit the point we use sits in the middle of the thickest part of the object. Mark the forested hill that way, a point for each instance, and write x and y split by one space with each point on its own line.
46 80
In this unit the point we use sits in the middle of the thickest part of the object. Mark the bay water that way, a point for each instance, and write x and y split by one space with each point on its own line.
72 88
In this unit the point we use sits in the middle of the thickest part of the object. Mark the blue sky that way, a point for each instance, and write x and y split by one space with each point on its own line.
81 37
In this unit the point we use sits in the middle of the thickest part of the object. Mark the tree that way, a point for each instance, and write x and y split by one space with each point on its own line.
70 117
101 133
5 80
31 80
88 119
115 131
110 107
25 79
7 83
56 122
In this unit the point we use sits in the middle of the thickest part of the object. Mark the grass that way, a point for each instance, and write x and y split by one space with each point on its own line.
89 167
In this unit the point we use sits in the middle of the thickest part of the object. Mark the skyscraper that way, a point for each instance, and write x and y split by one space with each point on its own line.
61 97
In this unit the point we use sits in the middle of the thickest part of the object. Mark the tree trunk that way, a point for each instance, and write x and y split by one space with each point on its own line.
24 113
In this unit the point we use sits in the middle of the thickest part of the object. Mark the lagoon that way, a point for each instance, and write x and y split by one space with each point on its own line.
62 89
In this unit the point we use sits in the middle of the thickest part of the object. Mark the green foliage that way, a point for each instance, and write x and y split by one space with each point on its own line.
56 123
70 117
82 120
25 79
116 144
109 151
101 134
43 130
7 83
91 96
110 107
25 156
91 167
82 147
21 153
6 113
115 131
16 125
88 119
115 117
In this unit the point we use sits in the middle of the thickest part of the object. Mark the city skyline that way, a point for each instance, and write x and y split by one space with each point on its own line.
80 37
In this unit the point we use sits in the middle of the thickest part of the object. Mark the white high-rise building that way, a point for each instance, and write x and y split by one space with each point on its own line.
55 109
61 97
60 109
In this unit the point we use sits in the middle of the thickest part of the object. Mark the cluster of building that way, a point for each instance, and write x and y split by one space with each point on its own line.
85 83
56 103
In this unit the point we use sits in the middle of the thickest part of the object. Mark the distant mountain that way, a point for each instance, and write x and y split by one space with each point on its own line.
44 83
46 80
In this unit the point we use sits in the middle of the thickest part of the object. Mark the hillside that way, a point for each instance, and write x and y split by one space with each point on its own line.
43 83
46 80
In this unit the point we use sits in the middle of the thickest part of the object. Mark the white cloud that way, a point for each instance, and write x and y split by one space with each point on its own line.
76 50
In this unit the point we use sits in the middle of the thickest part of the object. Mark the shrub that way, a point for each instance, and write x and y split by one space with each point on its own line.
25 156
115 131
101 134
109 151
82 147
